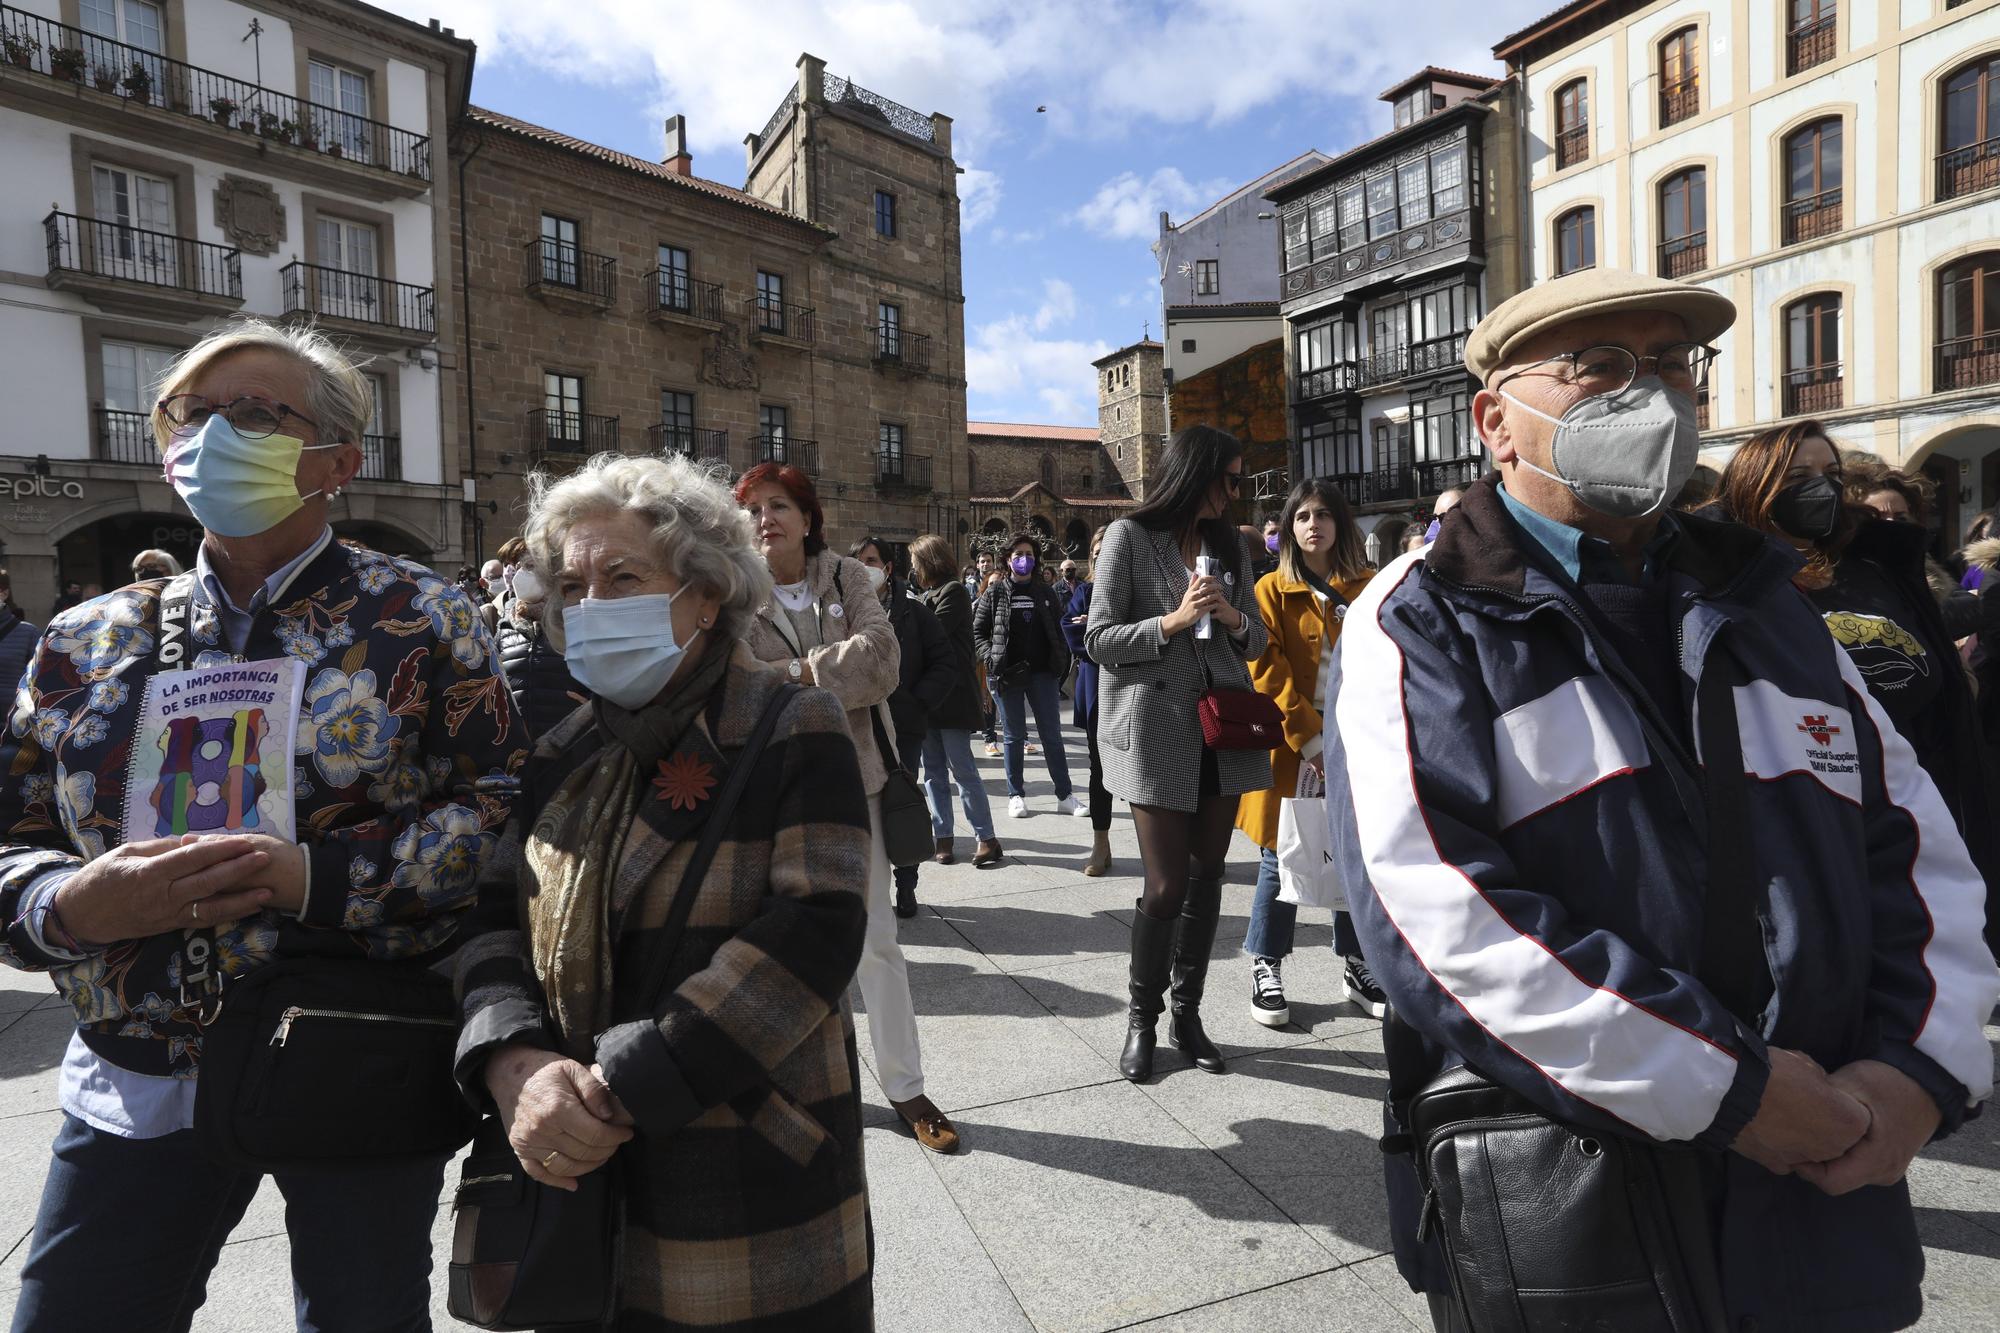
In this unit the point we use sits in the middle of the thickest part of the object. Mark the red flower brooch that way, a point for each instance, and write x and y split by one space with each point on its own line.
684 781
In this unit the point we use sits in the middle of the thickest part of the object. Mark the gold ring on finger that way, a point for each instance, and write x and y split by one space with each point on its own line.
550 1159
194 910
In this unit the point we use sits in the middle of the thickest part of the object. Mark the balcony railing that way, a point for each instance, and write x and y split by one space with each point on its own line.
1435 354
560 266
1326 382
126 437
782 319
1810 218
895 115
1813 390
1684 255
1572 146
554 433
1963 363
1382 367
1680 101
694 442
381 458
897 346
801 454
313 289
1969 170
898 471
137 75
673 292
133 254
1809 44
1440 475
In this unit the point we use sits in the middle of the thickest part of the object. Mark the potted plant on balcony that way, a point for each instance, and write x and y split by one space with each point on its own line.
334 149
223 109
138 83
303 135
269 124
21 48
66 62
104 78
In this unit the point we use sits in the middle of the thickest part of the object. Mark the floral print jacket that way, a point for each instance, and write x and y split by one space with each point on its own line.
408 755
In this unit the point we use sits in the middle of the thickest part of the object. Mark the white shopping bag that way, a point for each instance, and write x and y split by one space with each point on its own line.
1305 858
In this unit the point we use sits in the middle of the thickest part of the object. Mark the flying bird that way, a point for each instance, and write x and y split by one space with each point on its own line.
1040 109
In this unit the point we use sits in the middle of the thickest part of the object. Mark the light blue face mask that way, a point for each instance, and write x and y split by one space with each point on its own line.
622 648
237 487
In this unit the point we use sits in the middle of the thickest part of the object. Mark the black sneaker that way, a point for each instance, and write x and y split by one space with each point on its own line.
1267 992
1358 985
906 900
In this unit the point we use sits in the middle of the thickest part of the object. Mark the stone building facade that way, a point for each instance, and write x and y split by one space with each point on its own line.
814 317
1132 412
1056 481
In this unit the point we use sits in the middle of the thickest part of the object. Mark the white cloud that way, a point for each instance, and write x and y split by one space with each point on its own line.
1127 207
978 197
1008 361
1058 305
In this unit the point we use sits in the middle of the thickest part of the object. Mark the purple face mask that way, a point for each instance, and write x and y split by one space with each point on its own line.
1023 565
1431 532
1271 542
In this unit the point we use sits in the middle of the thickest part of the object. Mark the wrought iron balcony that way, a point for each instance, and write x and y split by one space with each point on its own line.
557 268
1968 170
38 45
897 346
782 319
1810 44
1382 367
1963 363
897 471
1572 146
558 434
135 266
692 442
1436 354
1813 390
801 454
1810 218
1684 255
381 458
1326 382
670 292
361 298
126 437
1680 101
838 91
1440 475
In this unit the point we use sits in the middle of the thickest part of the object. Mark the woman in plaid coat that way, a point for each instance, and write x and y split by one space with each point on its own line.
730 1110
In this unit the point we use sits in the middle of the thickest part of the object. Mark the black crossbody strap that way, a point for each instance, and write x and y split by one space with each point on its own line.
1733 965
712 834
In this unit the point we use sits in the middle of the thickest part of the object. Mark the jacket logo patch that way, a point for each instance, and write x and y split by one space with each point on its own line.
1819 729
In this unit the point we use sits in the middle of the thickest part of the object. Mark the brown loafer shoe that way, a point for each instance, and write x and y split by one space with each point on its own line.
946 852
987 853
931 1126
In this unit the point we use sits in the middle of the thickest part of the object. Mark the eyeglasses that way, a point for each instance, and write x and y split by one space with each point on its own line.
253 417
1234 480
1610 369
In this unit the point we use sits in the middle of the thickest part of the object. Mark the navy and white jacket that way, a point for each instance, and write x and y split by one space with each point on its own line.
1527 881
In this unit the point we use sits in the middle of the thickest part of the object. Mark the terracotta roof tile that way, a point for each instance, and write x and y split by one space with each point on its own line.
1480 81
626 161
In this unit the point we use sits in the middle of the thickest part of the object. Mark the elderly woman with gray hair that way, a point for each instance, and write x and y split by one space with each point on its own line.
727 1098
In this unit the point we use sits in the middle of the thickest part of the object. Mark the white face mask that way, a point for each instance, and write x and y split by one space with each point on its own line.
528 586
623 648
1623 454
877 577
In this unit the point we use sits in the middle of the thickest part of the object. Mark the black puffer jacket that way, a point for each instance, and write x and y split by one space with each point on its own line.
927 671
543 691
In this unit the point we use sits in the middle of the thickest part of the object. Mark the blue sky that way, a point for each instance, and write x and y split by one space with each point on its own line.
1150 106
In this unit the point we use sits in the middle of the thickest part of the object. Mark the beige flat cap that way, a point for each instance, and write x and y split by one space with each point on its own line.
1596 291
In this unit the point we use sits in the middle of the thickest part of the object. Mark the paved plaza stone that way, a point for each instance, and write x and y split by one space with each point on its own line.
1080 1203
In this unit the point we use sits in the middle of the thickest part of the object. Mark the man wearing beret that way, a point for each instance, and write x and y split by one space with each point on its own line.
1625 835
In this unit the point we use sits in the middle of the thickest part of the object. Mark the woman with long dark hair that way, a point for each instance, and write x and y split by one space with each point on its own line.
1322 566
1866 576
1171 615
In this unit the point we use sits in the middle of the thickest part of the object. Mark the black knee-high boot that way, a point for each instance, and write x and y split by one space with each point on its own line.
1199 915
1152 952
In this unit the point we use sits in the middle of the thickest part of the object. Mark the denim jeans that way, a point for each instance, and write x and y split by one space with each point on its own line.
1038 693
129 1230
953 750
1272 922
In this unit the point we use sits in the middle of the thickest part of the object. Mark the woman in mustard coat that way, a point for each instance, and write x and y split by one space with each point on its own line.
1322 567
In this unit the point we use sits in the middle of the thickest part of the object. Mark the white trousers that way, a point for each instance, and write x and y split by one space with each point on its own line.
885 978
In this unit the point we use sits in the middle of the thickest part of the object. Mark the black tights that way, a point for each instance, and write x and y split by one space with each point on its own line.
1176 846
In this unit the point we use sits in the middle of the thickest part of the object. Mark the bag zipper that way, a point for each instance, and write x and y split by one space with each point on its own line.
296 1012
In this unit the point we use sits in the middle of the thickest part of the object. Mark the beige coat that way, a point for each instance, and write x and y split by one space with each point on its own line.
858 661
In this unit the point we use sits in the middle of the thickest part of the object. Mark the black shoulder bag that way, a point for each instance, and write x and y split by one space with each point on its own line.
316 1061
1549 1227
523 1254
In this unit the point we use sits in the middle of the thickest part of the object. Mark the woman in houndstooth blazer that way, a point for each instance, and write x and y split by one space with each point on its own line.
1154 667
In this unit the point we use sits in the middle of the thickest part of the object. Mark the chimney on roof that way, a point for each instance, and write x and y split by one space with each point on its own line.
677 159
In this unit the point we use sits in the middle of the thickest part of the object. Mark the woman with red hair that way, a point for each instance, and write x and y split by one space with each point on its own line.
824 626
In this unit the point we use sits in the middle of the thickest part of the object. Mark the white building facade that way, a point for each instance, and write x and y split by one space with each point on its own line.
1832 167
172 164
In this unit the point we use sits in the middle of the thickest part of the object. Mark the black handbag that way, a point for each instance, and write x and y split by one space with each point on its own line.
1549 1227
525 1255
906 816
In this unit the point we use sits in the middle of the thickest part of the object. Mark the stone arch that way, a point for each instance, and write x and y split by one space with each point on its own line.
1076 539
